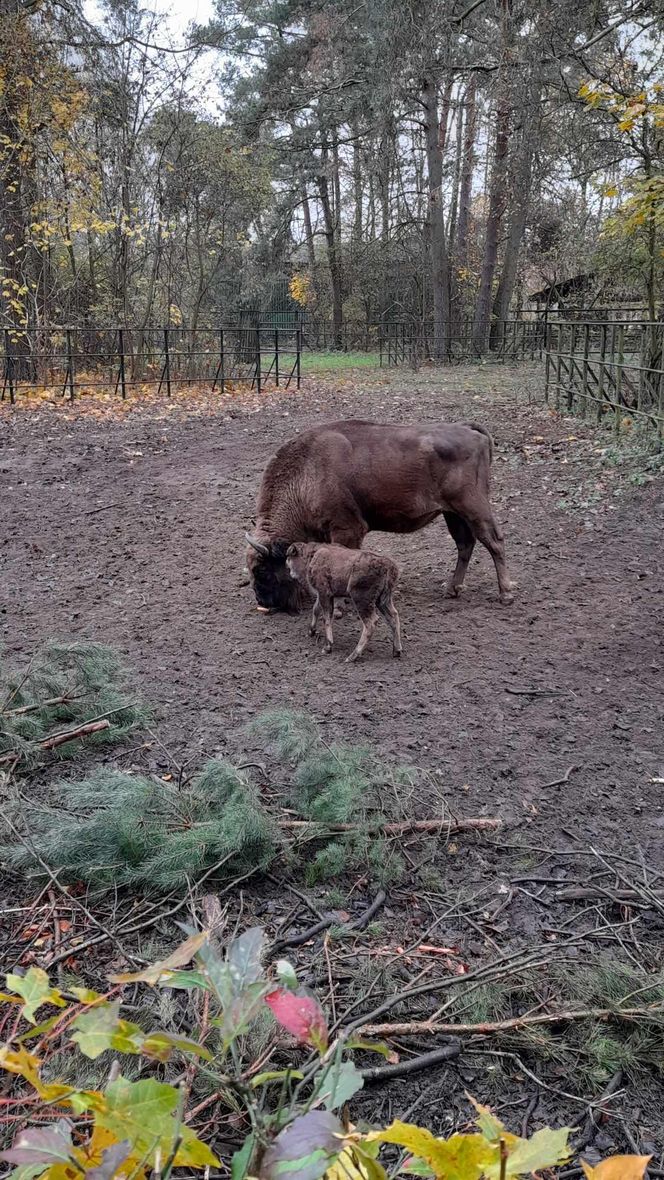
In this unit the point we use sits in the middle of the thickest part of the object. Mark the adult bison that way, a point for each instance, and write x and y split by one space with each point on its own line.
337 482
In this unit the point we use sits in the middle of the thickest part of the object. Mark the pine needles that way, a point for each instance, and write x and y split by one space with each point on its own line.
118 828
65 685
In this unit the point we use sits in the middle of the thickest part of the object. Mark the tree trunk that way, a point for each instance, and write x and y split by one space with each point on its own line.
440 276
520 188
357 186
497 202
465 193
333 261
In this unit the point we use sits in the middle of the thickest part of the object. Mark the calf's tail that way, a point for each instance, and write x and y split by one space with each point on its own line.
483 430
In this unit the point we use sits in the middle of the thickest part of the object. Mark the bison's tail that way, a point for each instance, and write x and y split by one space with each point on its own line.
483 430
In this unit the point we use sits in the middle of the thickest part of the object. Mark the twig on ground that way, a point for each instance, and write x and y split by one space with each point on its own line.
401 827
385 1073
514 1024
364 919
590 1129
536 692
558 782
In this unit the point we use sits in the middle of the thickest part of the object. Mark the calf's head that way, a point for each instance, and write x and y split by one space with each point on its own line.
297 561
274 587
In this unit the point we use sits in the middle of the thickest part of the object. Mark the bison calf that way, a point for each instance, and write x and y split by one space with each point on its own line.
367 579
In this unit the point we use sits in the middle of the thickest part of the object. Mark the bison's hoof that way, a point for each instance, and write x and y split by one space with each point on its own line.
507 599
351 658
453 591
327 649
396 655
337 613
312 632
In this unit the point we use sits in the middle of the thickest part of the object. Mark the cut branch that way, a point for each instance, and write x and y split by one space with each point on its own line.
515 1024
401 827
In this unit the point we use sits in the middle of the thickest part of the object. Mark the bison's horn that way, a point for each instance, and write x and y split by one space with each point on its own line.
258 546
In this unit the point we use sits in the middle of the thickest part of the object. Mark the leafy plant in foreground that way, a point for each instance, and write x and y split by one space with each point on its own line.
140 1128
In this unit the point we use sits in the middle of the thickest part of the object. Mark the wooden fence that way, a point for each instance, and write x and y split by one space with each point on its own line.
611 368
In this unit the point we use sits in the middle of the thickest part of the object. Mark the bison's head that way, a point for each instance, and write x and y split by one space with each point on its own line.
273 585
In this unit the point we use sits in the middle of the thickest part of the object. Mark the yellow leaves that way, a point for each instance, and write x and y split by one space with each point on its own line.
619 1167
300 290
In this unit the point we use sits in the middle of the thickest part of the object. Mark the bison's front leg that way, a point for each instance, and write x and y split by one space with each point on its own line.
464 540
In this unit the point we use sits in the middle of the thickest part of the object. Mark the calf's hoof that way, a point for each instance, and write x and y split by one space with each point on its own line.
355 655
337 613
507 599
327 649
452 591
312 632
396 654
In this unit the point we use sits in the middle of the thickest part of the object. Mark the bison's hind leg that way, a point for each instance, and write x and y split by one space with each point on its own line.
463 538
487 532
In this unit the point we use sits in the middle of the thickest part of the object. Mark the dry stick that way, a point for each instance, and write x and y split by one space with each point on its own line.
384 1073
401 827
364 919
484 1028
61 700
59 739
536 692
558 782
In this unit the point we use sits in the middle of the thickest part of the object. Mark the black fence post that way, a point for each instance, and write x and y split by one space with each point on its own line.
276 356
298 354
70 366
167 362
123 382
259 375
222 360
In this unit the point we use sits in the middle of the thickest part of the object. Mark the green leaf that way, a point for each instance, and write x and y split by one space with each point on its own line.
369 1046
276 1075
162 1044
285 972
94 1029
244 958
241 1159
188 980
35 989
490 1127
182 955
340 1084
142 1112
545 1149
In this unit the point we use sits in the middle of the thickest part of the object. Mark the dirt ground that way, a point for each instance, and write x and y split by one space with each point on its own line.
547 713
132 531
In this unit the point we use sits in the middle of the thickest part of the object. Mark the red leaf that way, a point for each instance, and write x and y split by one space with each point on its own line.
301 1014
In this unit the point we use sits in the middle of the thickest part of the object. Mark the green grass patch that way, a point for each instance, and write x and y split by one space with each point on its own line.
322 362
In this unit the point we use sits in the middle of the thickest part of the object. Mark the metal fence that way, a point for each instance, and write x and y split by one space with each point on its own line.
513 339
602 369
77 361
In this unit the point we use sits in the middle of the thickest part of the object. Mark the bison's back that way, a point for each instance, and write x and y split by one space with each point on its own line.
397 477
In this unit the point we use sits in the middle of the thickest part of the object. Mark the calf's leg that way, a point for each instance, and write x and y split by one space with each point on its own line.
391 615
464 540
326 604
315 615
369 619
